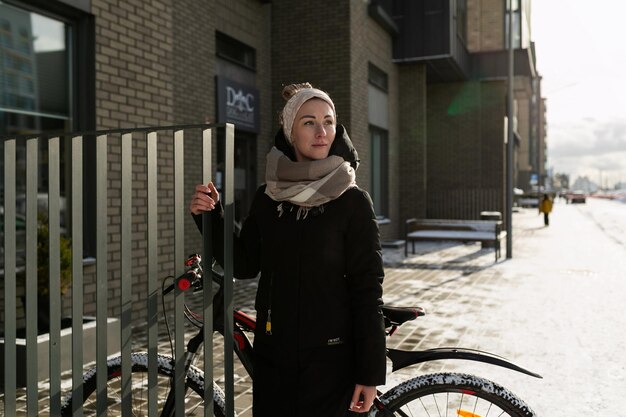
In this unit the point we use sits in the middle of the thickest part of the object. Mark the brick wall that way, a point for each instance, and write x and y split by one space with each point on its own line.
249 22
466 149
155 67
336 58
379 47
134 88
523 128
314 49
412 140
194 90
485 25
134 51
358 87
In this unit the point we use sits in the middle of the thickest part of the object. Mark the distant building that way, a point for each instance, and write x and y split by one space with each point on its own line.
560 182
585 184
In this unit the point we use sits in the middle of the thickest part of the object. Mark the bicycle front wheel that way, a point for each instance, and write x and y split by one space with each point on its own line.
194 402
452 394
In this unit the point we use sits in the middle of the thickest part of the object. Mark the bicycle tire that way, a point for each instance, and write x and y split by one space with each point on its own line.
454 394
194 403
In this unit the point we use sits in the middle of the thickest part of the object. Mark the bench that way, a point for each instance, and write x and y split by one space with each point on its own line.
455 230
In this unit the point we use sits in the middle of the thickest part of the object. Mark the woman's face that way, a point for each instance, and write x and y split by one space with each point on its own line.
313 130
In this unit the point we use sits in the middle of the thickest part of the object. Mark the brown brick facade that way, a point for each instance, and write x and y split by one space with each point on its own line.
135 85
313 50
485 25
156 65
466 149
412 140
379 52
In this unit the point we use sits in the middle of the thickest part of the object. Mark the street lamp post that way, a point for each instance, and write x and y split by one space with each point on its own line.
509 147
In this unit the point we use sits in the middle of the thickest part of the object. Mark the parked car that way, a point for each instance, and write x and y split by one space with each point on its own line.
577 196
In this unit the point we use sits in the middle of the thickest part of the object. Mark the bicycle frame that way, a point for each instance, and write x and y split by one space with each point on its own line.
394 318
242 346
192 279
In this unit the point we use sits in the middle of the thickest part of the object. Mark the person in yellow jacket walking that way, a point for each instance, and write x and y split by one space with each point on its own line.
545 207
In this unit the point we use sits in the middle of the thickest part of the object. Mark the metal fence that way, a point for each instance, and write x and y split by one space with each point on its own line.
464 203
151 138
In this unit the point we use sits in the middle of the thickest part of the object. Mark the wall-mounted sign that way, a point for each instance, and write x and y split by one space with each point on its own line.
238 104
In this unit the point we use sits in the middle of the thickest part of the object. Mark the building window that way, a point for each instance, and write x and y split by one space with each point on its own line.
379 139
377 77
35 78
461 20
47 84
35 72
514 6
233 50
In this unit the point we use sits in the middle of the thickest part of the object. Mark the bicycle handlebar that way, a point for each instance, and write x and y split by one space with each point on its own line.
192 277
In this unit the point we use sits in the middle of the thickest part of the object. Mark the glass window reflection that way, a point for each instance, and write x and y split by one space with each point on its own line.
34 73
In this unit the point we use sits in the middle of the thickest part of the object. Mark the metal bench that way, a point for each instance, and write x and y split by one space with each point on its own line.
454 230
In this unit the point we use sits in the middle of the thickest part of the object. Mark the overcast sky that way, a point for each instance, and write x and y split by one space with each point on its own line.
581 55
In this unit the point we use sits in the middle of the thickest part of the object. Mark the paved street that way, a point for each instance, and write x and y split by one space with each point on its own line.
555 308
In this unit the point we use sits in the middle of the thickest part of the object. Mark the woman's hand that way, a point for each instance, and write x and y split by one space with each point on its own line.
362 406
204 198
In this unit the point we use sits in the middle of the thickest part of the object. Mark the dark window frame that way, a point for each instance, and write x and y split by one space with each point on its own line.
82 41
461 20
377 77
83 59
517 11
235 51
381 202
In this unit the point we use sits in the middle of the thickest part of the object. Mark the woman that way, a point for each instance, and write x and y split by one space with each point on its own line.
319 344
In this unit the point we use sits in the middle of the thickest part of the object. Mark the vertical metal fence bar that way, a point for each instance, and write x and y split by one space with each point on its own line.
101 270
179 258
207 256
229 218
54 268
77 274
126 277
32 174
153 287
101 273
10 295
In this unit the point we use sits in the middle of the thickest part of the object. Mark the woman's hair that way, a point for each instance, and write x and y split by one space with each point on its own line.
295 96
291 89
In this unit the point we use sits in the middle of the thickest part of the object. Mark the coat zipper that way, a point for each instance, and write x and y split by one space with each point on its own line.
268 323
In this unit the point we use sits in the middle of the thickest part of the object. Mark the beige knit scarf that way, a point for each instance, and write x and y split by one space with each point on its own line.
306 184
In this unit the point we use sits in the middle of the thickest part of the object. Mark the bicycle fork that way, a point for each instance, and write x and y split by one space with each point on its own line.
169 408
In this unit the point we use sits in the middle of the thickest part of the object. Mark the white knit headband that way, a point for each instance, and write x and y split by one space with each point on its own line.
296 101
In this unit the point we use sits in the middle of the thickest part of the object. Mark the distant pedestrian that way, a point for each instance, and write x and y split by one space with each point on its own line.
545 207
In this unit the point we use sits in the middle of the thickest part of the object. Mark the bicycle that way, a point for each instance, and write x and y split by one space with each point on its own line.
425 395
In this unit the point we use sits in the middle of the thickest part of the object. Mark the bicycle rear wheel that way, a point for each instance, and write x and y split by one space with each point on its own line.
194 402
452 394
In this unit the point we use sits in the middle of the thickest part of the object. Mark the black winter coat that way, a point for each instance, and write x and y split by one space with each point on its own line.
321 288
